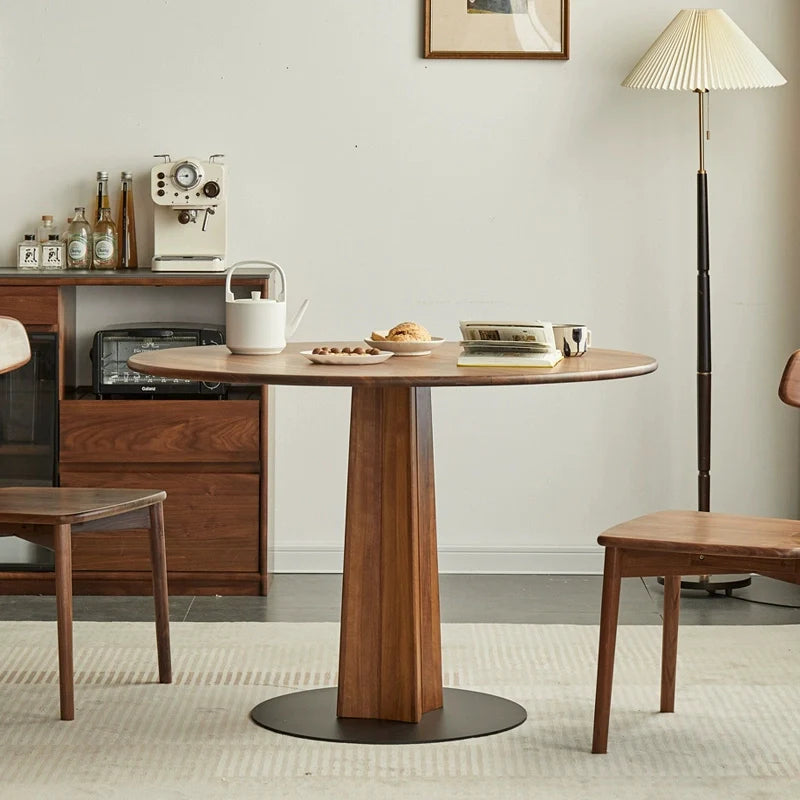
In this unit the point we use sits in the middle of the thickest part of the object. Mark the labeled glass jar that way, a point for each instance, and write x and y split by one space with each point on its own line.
54 253
28 252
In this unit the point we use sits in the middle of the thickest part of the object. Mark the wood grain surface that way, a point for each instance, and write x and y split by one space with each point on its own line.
789 390
122 277
31 306
390 651
151 431
212 522
438 369
55 505
706 533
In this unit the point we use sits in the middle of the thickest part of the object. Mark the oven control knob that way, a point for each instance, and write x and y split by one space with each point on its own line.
211 189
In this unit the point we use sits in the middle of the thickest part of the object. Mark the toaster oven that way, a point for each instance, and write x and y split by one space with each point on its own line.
112 347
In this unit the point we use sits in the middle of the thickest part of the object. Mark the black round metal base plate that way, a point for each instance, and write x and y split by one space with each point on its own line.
312 715
714 583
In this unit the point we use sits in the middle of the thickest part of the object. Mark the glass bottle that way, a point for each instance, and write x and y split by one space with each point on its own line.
101 198
54 253
126 226
105 251
28 251
79 242
46 227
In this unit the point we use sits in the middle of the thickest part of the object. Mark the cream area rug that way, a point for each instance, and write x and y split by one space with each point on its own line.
735 733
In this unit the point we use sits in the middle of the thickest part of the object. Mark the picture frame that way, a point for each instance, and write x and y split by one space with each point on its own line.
531 29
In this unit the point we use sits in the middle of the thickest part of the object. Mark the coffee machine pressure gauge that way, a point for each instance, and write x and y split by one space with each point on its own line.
187 175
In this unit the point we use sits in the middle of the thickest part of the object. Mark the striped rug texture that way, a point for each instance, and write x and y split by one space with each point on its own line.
734 734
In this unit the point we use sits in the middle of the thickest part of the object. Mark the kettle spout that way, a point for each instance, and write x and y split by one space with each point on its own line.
292 326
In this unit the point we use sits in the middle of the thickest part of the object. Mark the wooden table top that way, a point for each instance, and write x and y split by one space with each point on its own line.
217 363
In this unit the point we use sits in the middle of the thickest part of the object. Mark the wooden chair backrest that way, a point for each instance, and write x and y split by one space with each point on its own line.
789 390
15 350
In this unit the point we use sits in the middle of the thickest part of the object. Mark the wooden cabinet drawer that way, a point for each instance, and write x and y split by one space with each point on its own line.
211 523
31 305
160 431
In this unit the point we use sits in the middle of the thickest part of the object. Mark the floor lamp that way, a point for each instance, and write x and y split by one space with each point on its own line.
699 51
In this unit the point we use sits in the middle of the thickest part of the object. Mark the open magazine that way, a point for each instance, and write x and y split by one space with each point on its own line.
507 344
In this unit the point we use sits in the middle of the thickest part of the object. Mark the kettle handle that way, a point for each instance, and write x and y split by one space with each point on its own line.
273 266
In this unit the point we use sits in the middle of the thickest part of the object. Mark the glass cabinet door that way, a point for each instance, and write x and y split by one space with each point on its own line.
28 417
28 429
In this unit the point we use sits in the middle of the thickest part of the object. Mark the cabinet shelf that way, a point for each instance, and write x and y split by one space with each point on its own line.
135 277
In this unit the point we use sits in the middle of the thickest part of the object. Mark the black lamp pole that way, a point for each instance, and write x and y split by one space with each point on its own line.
705 582
703 332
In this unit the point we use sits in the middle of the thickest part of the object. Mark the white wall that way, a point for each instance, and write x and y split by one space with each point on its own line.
393 187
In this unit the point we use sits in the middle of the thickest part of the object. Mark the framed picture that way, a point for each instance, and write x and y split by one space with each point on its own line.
497 29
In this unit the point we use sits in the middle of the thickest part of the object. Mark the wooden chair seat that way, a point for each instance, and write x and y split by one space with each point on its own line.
49 516
701 532
51 505
676 543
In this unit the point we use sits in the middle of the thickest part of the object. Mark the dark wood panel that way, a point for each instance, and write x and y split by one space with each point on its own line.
159 430
136 277
438 369
133 583
211 520
30 305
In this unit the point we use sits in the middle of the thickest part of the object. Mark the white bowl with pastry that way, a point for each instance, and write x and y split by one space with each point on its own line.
405 339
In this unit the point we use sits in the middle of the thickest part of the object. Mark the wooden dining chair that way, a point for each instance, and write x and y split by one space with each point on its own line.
50 516
676 543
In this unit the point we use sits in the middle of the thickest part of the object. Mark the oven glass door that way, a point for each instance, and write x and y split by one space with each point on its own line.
118 348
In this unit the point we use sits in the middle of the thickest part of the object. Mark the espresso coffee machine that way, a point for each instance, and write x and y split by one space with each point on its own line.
190 226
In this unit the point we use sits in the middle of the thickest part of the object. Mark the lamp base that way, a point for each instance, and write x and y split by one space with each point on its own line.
714 583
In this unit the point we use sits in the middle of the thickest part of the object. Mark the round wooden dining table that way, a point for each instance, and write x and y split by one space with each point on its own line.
390 669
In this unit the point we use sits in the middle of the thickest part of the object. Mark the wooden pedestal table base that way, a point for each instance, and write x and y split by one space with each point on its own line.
390 665
390 670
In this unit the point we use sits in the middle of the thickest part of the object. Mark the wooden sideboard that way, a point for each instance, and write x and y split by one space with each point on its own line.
212 457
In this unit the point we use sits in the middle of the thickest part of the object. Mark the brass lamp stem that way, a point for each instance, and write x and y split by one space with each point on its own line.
700 95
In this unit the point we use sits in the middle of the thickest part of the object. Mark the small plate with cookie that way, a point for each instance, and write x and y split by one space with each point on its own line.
405 339
346 355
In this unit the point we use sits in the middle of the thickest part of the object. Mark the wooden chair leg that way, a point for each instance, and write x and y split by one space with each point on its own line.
62 544
158 561
669 640
609 614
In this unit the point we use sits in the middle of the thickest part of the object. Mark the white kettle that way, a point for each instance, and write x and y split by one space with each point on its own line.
256 325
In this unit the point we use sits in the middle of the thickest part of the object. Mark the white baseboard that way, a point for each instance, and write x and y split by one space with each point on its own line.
458 559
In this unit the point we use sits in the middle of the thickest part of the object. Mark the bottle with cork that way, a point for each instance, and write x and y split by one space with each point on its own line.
46 228
126 224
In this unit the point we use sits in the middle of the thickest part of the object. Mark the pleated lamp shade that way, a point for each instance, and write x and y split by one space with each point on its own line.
703 49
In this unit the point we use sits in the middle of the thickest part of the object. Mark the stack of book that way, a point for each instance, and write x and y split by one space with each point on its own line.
508 344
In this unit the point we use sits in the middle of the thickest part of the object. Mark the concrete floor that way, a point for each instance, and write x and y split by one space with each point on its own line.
566 599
